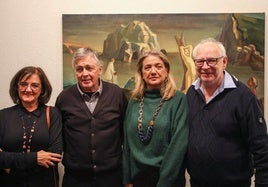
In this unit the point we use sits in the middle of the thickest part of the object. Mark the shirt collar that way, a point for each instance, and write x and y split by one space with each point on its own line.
228 82
98 91
23 111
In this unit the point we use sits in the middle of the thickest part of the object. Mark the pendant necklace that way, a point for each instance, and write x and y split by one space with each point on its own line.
27 135
145 138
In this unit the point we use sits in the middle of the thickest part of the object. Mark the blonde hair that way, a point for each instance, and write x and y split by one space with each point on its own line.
168 88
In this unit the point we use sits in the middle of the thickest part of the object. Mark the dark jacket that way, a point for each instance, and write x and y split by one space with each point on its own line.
228 139
92 140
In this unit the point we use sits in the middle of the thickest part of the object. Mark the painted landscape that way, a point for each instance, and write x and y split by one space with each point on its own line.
123 37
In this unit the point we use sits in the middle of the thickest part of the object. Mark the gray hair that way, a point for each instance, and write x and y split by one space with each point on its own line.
85 52
210 40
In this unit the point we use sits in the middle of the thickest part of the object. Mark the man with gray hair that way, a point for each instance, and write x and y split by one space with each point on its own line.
228 135
93 113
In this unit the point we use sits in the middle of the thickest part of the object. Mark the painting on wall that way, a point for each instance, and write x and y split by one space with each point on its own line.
121 38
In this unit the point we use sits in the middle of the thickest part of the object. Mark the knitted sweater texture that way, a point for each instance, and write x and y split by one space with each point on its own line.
167 147
228 138
92 140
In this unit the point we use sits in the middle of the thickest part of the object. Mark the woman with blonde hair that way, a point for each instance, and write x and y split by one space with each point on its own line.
156 127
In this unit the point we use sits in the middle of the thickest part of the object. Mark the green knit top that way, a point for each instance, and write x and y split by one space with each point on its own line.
169 141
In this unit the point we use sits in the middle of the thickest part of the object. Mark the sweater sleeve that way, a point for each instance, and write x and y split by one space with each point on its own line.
13 159
17 160
258 141
173 159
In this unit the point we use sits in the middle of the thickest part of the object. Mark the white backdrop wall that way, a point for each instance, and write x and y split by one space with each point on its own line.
31 30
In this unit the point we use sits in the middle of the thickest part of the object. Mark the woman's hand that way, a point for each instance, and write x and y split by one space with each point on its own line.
47 159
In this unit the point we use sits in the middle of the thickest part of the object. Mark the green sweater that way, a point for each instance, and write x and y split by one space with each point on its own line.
169 141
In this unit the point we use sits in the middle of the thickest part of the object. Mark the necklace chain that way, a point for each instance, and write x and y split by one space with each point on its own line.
27 136
145 139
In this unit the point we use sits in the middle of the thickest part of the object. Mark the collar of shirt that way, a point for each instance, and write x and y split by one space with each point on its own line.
91 101
24 112
95 94
227 82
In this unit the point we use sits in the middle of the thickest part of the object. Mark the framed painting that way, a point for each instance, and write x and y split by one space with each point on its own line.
121 38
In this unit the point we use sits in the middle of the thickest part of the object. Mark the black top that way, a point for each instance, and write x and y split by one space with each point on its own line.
24 168
92 141
224 135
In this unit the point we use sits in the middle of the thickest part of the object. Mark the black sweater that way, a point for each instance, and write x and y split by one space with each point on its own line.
228 138
92 140
24 167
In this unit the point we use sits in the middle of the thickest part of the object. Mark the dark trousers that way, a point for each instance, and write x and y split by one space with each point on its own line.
203 184
111 178
147 178
150 177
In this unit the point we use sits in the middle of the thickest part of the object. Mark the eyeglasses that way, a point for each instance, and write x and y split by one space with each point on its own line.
209 61
24 85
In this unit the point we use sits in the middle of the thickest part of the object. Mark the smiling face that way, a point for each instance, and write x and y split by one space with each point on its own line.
211 76
154 72
87 72
29 90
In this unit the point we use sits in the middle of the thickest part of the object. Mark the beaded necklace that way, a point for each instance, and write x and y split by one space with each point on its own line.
146 138
27 135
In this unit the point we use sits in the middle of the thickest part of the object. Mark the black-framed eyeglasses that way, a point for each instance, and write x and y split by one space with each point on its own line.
209 61
24 85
